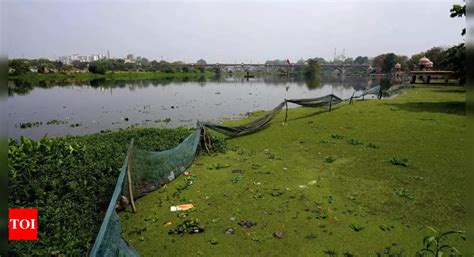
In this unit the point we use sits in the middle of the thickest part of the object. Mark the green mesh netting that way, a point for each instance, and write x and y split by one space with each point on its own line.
317 102
109 241
370 91
149 170
396 89
248 128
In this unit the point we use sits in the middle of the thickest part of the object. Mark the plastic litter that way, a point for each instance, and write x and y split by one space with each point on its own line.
181 207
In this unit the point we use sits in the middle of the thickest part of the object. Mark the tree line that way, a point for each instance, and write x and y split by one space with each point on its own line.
23 66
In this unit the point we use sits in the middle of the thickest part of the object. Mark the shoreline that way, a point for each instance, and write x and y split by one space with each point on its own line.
87 76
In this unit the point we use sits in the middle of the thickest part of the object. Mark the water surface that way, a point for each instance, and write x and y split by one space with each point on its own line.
89 107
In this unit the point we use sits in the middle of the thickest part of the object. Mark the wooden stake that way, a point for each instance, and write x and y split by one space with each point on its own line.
204 139
209 141
129 177
330 104
286 113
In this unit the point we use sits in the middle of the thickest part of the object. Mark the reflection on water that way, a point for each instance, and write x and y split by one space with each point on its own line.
88 107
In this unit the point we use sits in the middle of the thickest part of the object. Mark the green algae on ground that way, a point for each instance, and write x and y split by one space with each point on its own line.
314 202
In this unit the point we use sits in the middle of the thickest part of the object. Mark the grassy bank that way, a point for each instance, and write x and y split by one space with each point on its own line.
70 180
135 75
364 179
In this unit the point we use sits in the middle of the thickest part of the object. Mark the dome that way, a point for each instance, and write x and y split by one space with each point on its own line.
424 60
398 66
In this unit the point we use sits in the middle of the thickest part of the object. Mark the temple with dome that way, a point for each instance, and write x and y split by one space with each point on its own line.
425 72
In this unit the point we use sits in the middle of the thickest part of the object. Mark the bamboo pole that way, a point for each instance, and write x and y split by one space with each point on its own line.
129 177
209 141
352 96
330 104
203 134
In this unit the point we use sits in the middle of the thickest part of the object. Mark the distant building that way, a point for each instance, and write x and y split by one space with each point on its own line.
130 59
425 64
398 67
68 59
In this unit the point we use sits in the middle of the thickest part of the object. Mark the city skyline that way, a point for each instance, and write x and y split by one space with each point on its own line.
217 32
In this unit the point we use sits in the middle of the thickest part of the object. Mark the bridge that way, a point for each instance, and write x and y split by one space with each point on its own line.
343 68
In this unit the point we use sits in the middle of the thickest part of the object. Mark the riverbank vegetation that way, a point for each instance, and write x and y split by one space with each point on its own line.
363 180
113 75
70 180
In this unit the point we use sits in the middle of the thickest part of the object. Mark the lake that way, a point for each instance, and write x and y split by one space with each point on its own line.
90 107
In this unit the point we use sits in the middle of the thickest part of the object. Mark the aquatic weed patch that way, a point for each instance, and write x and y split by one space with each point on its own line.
405 193
397 161
354 141
70 180
33 124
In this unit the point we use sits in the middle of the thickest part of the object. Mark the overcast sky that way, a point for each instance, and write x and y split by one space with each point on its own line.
228 31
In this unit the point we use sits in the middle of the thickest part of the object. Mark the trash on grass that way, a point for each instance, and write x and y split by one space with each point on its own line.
181 207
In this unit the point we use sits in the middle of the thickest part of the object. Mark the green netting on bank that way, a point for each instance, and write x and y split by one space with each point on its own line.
151 170
148 170
109 241
317 102
260 123
370 91
396 89
250 127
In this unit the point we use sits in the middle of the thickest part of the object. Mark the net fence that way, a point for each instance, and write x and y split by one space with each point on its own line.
148 171
371 91
145 171
317 102
247 128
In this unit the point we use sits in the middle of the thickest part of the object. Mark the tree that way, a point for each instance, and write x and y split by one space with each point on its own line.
144 63
43 65
378 61
455 60
388 62
79 65
435 54
201 62
361 60
300 62
185 69
349 61
58 65
412 63
320 60
98 67
459 11
312 69
130 66
19 66
403 60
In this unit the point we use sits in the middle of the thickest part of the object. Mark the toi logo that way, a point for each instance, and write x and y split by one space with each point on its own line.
22 224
